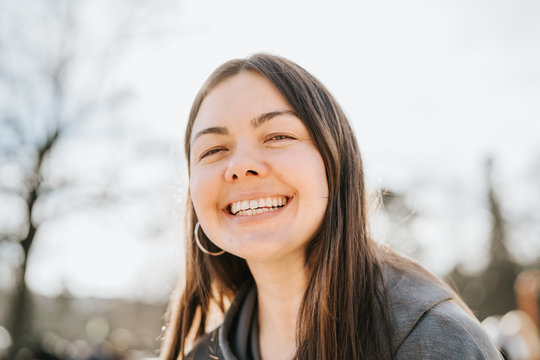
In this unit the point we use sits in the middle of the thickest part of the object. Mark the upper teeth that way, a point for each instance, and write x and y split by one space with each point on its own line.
258 203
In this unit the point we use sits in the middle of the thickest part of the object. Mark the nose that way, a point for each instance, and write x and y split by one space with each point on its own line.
245 164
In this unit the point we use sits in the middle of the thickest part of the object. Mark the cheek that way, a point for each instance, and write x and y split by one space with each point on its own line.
308 176
204 192
313 171
320 185
320 174
316 185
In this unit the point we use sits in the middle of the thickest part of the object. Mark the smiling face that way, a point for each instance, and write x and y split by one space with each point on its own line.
257 181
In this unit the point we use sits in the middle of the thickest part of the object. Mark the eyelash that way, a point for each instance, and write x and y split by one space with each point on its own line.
211 152
280 137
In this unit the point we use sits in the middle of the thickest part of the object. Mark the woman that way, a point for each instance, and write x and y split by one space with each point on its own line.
277 225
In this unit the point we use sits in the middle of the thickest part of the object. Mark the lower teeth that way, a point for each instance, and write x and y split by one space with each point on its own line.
249 212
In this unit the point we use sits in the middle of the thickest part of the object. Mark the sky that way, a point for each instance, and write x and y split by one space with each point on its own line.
431 88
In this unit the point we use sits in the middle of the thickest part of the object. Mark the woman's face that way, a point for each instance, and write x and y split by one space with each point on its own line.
258 182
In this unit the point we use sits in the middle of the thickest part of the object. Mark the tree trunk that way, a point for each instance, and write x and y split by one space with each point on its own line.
20 323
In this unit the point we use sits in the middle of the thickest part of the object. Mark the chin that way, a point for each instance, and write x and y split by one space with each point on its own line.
262 250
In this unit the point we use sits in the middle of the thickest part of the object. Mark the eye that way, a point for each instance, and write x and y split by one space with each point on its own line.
211 152
281 137
278 137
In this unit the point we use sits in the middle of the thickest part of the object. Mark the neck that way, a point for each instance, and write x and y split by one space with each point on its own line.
280 289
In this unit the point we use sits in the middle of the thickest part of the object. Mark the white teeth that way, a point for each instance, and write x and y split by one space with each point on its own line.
257 206
255 212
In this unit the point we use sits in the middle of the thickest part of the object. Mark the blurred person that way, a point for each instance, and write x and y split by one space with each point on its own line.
515 334
278 237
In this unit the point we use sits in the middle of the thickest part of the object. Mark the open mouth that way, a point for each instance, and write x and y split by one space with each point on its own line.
257 206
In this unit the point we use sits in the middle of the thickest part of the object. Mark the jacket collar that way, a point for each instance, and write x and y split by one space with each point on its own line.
409 295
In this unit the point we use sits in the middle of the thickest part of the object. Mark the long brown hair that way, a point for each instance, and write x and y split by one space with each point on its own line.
340 315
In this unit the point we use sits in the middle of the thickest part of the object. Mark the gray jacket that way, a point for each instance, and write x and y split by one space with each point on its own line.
426 324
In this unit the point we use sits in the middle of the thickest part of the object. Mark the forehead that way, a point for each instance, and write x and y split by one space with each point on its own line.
239 98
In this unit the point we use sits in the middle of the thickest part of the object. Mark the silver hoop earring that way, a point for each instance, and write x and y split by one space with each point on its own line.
195 233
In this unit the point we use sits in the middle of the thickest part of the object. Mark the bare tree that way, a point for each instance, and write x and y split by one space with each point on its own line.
491 291
53 84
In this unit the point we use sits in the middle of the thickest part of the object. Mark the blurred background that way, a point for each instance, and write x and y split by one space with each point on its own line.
444 97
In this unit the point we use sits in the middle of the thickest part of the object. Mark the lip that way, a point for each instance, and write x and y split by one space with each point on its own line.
259 217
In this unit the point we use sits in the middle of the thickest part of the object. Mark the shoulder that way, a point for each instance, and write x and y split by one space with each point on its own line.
446 331
426 321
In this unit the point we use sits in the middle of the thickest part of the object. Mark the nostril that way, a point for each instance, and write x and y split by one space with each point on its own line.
235 175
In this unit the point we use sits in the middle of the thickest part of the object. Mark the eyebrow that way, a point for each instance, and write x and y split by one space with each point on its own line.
219 130
255 122
261 119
